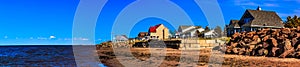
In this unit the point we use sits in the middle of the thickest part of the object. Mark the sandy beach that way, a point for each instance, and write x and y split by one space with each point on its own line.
172 58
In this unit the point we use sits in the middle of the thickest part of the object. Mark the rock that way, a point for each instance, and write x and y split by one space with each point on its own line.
262 52
285 31
266 38
233 45
298 28
288 45
274 42
235 50
294 41
271 42
297 55
250 34
274 49
241 51
286 53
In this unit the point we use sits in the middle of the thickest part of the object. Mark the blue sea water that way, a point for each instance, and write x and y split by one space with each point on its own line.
42 55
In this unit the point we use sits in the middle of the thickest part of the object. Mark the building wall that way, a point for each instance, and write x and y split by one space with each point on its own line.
231 31
153 35
161 33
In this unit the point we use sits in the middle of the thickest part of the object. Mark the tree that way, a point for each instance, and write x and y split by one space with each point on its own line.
198 26
201 34
207 29
292 22
288 22
218 30
172 33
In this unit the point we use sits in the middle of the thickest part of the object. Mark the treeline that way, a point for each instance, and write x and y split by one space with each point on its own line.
292 22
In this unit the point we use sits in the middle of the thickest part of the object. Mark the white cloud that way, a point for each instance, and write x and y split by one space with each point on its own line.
249 4
85 39
68 39
42 38
270 5
76 38
80 38
52 37
244 2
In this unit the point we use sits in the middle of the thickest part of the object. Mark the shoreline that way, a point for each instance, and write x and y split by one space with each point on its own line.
172 58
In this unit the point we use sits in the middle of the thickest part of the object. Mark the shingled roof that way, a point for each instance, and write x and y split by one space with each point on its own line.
185 26
234 24
261 18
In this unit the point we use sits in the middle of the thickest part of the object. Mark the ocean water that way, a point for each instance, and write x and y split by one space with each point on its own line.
32 56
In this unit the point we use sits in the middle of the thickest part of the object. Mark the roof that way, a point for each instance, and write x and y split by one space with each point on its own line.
184 26
211 32
234 24
121 37
194 29
152 29
143 33
262 18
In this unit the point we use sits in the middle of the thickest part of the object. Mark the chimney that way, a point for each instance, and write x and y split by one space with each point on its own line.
258 8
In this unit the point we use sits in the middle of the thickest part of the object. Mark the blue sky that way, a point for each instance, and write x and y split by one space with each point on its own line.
30 22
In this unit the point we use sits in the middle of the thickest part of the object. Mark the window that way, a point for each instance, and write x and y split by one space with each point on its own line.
246 20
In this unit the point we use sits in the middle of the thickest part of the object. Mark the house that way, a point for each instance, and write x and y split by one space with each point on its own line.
233 27
253 20
121 38
184 28
189 31
142 35
210 34
158 32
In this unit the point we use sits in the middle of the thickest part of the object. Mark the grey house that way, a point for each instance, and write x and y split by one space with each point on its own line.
253 20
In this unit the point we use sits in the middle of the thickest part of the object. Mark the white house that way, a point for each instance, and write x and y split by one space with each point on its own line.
121 38
159 32
189 31
210 34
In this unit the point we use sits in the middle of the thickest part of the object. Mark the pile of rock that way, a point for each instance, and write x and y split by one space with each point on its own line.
107 44
266 42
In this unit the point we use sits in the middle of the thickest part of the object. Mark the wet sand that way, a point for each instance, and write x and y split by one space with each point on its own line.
172 58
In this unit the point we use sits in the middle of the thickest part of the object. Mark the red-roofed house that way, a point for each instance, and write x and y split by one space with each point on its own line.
158 32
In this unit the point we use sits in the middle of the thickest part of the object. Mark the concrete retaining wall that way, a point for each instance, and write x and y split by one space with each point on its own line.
194 44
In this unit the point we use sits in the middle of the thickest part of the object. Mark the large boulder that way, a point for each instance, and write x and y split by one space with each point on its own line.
288 45
285 31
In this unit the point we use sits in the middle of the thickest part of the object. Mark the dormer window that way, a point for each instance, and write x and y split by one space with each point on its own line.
246 20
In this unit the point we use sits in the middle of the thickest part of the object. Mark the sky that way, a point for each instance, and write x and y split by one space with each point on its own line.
49 22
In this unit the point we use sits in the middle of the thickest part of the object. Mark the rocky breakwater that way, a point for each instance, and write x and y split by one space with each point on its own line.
266 42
